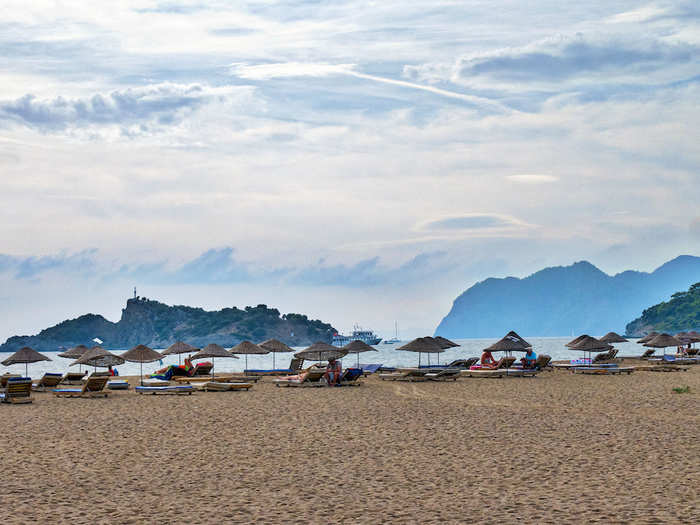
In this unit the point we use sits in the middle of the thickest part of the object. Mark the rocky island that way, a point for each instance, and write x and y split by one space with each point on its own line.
158 325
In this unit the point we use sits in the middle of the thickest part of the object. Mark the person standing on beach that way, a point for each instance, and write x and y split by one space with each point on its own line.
333 370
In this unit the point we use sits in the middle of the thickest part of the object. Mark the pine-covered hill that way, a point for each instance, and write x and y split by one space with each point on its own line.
158 325
680 314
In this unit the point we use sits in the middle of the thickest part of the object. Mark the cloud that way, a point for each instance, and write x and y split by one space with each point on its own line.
160 104
532 178
33 267
472 222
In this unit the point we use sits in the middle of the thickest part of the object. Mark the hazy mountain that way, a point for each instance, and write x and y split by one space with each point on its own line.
680 314
564 300
158 325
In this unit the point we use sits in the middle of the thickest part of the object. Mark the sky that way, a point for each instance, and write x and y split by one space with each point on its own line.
357 161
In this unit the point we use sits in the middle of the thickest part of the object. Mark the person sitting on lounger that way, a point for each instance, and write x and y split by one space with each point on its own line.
333 371
487 360
529 360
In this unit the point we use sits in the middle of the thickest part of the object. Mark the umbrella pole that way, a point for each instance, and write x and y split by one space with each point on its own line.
212 368
358 359
273 360
141 373
26 369
246 361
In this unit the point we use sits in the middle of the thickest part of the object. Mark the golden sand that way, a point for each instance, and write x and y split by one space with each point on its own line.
558 448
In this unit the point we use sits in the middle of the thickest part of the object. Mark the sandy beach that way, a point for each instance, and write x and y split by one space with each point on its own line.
554 449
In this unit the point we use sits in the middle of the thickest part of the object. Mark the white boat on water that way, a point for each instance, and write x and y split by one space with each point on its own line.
394 339
358 334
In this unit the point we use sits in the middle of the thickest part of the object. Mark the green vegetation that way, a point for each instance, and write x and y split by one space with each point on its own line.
681 313
682 390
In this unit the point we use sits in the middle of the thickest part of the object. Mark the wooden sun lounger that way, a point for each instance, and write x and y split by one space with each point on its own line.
118 384
448 374
662 368
17 390
4 378
484 372
406 374
170 389
607 371
74 378
521 372
48 381
93 387
216 386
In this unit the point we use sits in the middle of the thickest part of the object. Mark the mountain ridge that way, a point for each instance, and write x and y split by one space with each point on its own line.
158 325
558 300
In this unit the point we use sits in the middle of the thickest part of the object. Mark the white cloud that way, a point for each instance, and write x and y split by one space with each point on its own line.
532 178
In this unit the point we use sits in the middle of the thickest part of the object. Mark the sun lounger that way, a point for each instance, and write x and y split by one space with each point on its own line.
238 378
603 370
155 382
215 386
406 374
268 371
521 372
74 378
49 380
648 353
446 374
483 372
370 368
4 378
309 378
17 390
202 369
118 384
351 377
93 387
169 389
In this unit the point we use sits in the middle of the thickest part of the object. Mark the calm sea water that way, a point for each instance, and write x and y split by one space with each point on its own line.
386 354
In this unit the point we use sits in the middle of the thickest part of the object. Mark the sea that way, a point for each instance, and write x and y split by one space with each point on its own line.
386 354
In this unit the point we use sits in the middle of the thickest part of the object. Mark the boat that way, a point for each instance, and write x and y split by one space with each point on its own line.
394 339
358 334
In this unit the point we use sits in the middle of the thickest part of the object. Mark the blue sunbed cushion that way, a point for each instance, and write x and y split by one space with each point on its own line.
13 379
163 388
351 374
68 390
370 368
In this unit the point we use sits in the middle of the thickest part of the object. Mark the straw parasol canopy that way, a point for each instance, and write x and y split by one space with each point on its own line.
612 337
25 355
141 354
663 341
246 348
179 348
75 352
574 341
422 345
444 342
688 337
211 351
589 344
357 347
98 356
648 337
275 346
321 351
511 342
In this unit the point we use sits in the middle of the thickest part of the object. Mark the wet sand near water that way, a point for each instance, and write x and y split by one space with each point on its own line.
559 448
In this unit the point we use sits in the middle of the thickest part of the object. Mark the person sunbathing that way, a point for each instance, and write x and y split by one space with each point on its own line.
487 360
530 358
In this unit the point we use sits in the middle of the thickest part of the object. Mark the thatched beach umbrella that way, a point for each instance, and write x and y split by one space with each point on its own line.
612 337
663 341
511 342
25 355
589 344
74 353
211 351
422 345
648 337
575 340
275 346
141 354
444 342
321 351
98 356
180 348
246 348
357 347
